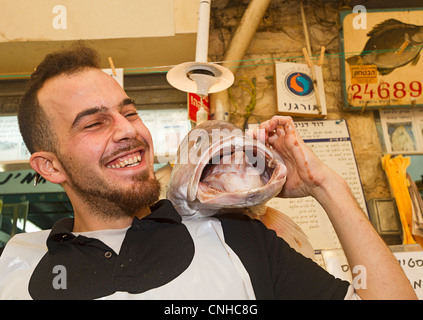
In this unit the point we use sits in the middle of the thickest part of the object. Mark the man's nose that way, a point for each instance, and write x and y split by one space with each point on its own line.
123 129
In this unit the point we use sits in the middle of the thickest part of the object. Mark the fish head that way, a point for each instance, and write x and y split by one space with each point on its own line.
218 166
416 35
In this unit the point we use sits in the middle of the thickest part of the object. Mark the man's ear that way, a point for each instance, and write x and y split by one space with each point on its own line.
48 166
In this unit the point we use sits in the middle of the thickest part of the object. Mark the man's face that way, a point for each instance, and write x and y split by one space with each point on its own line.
104 148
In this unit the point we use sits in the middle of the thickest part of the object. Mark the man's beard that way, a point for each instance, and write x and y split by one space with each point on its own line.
109 201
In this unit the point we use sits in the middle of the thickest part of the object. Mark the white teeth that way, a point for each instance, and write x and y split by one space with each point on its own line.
128 162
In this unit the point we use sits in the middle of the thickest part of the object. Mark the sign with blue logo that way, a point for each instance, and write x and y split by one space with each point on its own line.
299 84
295 91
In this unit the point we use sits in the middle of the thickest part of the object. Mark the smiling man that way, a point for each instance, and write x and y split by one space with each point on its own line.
102 149
84 133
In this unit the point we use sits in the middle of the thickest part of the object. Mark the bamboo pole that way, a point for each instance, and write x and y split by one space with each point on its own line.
219 101
112 66
309 62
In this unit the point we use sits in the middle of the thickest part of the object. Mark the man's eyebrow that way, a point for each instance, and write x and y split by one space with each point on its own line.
98 109
88 112
126 101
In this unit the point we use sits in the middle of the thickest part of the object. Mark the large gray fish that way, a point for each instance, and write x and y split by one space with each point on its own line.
219 169
386 39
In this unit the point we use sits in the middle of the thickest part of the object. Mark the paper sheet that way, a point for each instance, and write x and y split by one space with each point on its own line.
412 264
402 130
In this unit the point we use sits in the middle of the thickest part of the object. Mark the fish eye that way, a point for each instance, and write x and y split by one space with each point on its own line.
197 142
197 137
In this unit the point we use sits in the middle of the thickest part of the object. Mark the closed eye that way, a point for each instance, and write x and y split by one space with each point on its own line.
93 125
131 115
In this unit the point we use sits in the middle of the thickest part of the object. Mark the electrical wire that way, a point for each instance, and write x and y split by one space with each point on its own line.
245 63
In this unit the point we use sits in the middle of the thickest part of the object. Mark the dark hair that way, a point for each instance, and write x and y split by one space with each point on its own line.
33 121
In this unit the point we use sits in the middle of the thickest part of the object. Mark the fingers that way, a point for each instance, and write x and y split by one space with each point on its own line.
280 121
278 127
260 133
251 133
271 130
275 136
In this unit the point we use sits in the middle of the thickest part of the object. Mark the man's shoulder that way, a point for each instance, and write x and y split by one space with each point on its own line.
247 235
26 244
30 237
17 262
235 223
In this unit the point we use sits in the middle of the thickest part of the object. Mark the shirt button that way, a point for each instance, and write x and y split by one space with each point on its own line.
108 254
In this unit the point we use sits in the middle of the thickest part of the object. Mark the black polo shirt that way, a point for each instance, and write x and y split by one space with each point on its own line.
229 256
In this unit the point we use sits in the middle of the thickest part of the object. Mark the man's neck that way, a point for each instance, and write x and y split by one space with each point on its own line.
89 221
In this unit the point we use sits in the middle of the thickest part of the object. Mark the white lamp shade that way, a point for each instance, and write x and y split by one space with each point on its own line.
211 77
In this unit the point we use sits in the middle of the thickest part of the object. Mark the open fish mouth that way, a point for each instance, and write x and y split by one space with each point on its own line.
255 174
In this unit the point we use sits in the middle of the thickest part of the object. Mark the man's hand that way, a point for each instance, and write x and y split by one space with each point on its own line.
306 172
307 175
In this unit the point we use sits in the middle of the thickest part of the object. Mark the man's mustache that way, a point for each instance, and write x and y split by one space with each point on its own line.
125 147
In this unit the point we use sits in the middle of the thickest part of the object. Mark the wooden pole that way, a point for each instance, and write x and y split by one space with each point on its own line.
219 101
313 72
112 66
